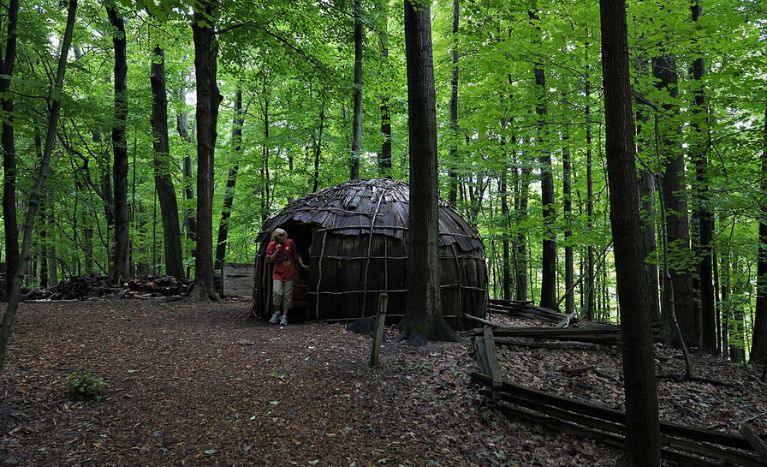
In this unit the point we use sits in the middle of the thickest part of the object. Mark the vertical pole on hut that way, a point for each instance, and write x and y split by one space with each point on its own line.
383 300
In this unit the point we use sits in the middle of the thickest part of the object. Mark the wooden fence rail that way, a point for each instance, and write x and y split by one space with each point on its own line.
686 445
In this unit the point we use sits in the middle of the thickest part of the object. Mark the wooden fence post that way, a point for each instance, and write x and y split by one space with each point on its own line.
383 300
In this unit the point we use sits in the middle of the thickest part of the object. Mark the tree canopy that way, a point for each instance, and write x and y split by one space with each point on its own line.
293 64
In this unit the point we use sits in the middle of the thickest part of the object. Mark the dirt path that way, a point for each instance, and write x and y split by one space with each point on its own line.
198 385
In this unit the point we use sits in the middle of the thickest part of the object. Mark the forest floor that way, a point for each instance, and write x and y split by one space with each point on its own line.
199 385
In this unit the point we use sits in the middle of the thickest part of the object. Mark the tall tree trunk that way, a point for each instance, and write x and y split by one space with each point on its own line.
384 157
121 267
9 151
590 273
567 207
642 444
423 316
549 255
208 99
354 160
646 187
190 219
231 181
104 191
166 192
675 203
724 292
88 248
699 154
759 343
452 173
49 254
503 187
520 215
265 190
107 194
42 243
318 148
54 109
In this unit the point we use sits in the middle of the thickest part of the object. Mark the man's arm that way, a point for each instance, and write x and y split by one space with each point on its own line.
271 252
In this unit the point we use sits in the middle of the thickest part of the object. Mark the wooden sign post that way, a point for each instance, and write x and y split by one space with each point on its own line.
383 300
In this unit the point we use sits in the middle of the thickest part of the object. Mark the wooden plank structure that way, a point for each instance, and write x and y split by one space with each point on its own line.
237 280
354 237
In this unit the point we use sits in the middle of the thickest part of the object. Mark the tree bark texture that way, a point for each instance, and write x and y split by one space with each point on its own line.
590 302
43 172
354 160
208 99
166 192
121 267
231 181
264 187
642 444
318 149
646 187
759 343
675 201
567 208
49 253
384 158
9 152
452 174
423 316
520 251
42 244
190 219
503 187
549 253
699 154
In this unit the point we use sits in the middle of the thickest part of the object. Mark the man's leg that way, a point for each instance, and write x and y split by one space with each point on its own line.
287 300
278 292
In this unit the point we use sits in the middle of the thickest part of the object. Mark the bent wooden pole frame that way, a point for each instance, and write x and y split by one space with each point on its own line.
383 301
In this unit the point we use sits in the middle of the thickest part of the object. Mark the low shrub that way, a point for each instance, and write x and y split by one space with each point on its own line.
85 385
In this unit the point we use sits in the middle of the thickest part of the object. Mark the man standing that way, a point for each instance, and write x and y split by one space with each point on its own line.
283 254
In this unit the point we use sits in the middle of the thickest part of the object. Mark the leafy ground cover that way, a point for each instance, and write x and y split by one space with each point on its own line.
198 385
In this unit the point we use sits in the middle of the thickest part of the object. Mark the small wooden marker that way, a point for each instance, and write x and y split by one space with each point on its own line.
383 300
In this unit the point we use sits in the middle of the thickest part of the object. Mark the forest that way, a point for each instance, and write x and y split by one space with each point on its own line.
311 97
157 137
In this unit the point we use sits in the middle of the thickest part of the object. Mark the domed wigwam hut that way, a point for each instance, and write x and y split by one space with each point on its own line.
354 237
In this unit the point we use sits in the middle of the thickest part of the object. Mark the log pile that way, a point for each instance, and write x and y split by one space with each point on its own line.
685 445
156 286
93 286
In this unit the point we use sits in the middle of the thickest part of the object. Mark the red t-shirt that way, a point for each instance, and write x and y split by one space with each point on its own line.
286 261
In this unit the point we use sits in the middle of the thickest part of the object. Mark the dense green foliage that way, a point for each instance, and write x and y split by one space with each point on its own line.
294 62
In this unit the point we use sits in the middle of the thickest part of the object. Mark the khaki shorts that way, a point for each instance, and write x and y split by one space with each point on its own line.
282 294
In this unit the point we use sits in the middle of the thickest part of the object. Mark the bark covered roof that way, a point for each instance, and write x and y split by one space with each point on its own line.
349 209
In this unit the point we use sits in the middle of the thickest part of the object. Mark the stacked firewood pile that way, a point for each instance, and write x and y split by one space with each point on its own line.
76 288
93 286
156 286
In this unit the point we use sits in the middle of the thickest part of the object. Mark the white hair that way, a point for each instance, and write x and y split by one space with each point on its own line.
277 232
